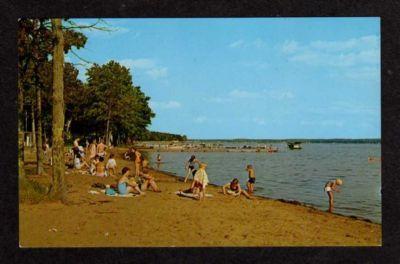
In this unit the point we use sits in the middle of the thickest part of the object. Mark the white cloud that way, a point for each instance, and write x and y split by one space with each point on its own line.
345 53
165 105
237 94
259 121
138 63
280 94
200 119
236 44
242 94
148 65
334 123
290 46
257 43
157 73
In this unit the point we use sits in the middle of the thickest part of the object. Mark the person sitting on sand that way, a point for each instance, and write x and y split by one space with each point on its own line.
148 180
234 189
79 163
138 161
93 163
130 154
190 166
330 187
126 185
111 165
101 168
252 179
101 149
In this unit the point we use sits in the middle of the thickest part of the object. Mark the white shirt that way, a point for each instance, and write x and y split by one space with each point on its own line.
111 163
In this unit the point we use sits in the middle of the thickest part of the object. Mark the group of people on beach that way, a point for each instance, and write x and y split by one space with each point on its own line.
200 180
95 165
139 181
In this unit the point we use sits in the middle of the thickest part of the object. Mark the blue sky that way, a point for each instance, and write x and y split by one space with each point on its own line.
250 78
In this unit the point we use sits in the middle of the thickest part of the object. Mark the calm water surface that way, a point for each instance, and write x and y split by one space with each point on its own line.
300 174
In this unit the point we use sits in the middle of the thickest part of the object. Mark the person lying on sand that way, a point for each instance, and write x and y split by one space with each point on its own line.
146 178
128 185
111 165
330 187
252 179
233 188
190 166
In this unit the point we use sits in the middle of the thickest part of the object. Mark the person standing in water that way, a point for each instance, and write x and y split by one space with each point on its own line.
190 166
330 187
252 179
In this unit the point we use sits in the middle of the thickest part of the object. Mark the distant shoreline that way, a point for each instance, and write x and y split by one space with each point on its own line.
333 140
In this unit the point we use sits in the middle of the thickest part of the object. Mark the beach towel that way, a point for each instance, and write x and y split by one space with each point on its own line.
119 195
190 195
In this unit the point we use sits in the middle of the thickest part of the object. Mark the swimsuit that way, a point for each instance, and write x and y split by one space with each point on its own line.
252 180
122 188
101 174
328 188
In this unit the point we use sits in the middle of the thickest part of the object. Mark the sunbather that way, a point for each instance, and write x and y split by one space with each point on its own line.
128 185
233 188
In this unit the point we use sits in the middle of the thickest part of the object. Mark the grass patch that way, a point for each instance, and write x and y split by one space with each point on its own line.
31 191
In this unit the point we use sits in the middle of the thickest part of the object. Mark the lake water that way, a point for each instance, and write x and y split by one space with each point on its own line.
299 174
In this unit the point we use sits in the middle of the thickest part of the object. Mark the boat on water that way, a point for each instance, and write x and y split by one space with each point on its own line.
271 149
294 145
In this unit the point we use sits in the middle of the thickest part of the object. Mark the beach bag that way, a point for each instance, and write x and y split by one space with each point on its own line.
110 191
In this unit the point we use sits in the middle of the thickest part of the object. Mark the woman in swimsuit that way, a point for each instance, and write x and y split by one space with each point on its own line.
126 185
234 189
252 179
147 179
330 187
190 166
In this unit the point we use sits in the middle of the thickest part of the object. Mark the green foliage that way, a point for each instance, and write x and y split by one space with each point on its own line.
162 136
31 191
114 99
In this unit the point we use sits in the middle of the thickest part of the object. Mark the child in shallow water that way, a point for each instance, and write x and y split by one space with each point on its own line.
233 188
126 185
252 179
330 187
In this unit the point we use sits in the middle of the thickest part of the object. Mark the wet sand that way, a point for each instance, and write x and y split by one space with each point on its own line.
167 220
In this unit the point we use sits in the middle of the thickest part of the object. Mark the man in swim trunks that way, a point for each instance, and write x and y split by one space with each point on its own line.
92 149
329 188
101 149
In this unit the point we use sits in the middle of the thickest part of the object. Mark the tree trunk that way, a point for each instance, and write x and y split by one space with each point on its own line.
33 123
39 143
21 172
57 190
108 128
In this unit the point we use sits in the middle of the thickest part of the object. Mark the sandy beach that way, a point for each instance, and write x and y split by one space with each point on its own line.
167 220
